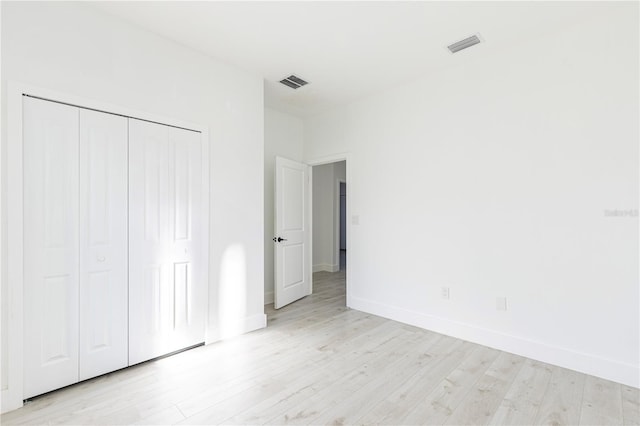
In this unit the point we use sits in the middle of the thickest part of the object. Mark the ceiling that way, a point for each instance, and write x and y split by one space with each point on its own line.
346 50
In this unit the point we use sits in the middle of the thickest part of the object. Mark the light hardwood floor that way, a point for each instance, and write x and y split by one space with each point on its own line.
318 362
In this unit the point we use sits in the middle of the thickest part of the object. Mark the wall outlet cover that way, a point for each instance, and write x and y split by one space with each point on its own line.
445 292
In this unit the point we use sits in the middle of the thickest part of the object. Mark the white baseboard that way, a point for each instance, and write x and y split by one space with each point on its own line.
268 297
321 267
616 371
9 401
326 267
255 322
242 326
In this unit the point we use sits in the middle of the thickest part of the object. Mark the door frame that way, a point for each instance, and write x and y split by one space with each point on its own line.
11 396
318 161
337 221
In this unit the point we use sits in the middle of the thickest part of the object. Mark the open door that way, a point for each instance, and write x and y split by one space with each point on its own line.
292 232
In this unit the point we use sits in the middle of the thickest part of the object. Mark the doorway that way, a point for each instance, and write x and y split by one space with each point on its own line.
308 231
329 231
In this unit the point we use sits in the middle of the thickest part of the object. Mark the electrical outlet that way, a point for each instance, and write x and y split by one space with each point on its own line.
445 292
501 303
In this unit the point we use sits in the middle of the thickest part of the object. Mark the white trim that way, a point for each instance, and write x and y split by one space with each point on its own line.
326 267
2 388
328 159
245 325
268 298
308 264
627 374
12 396
336 223
309 217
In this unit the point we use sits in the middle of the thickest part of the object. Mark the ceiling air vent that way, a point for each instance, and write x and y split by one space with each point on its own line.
293 81
463 44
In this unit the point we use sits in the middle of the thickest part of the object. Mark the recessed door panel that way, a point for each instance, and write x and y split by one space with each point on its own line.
293 257
55 339
103 243
292 185
182 185
98 287
182 293
50 138
154 169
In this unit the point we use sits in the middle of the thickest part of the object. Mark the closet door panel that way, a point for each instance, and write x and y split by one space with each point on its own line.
50 137
150 297
167 269
103 243
186 239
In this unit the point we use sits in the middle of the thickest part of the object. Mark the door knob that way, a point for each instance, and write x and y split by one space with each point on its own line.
278 239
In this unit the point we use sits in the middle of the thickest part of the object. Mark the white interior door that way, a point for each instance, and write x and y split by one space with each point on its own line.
292 228
51 261
167 261
103 243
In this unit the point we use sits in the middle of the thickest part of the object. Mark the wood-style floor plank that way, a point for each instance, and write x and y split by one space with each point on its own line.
318 362
630 406
486 395
562 400
441 403
522 402
601 402
393 409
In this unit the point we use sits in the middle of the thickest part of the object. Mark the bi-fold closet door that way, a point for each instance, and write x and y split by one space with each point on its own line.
114 267
75 244
167 267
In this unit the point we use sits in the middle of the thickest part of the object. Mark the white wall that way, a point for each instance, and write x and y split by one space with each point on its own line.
326 255
283 137
493 178
74 49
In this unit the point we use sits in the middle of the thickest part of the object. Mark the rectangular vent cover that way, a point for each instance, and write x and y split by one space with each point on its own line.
293 81
463 44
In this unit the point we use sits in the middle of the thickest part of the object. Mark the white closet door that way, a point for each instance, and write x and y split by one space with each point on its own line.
103 243
50 245
186 239
167 269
